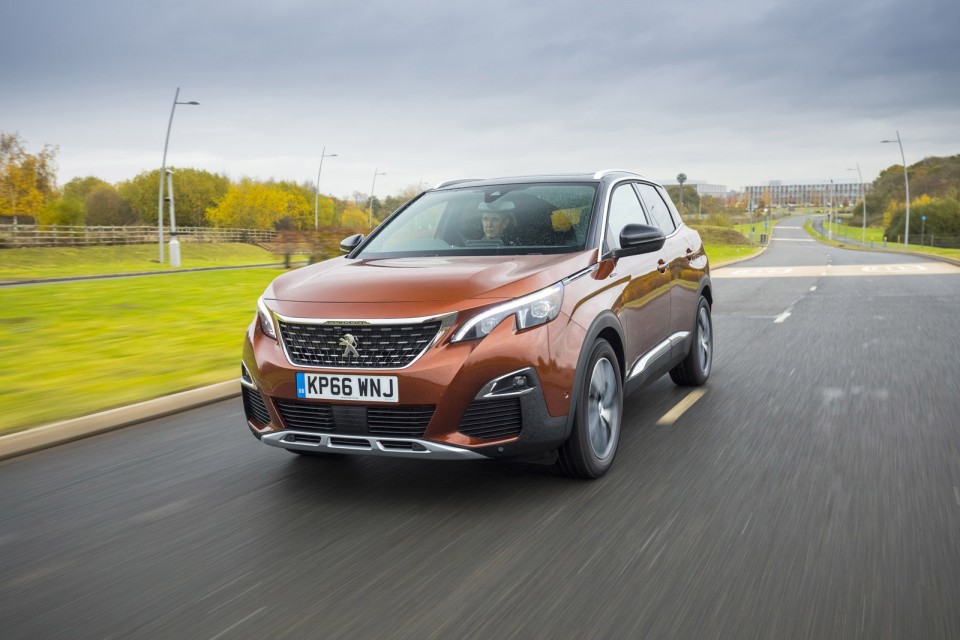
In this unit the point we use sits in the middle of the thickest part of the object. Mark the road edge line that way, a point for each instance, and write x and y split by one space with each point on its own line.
51 435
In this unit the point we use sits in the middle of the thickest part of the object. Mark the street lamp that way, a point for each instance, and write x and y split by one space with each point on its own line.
375 174
316 203
830 214
163 168
174 243
906 182
863 194
681 178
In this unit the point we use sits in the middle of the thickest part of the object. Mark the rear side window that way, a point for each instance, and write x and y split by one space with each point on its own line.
656 207
624 209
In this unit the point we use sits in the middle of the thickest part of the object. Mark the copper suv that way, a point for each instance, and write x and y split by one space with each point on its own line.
501 318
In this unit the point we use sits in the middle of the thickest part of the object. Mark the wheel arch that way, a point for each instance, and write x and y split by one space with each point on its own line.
605 326
706 290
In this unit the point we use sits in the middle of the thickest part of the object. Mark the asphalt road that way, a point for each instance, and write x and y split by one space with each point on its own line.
813 491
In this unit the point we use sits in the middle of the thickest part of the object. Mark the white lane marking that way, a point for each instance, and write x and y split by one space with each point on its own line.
956 494
813 288
895 268
237 623
780 318
762 271
680 408
744 530
862 270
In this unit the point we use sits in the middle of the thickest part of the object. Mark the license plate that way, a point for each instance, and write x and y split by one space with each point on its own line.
323 386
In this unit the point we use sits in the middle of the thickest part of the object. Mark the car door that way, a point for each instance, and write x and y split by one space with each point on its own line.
644 303
658 208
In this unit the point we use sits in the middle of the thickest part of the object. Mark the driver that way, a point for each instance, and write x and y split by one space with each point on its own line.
494 224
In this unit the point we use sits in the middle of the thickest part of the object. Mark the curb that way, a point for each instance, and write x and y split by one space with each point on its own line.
51 435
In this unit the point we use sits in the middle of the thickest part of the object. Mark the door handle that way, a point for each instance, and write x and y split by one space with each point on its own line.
661 265
689 254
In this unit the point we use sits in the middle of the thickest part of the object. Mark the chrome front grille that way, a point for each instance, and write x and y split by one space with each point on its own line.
374 346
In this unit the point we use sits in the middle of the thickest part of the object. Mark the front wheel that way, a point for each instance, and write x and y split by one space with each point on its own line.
592 445
695 368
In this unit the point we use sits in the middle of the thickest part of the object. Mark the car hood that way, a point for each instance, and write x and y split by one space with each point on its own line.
425 279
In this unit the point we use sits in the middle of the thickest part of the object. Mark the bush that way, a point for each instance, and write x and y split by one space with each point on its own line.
943 218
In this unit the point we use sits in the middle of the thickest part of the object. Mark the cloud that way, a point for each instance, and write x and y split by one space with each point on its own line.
734 93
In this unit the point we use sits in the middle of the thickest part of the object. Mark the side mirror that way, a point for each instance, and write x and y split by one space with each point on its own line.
640 238
349 244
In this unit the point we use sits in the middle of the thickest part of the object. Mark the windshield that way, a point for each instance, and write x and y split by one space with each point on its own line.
491 220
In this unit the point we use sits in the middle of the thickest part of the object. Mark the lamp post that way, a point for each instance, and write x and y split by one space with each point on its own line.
316 203
906 184
681 178
174 242
830 214
863 195
375 174
163 168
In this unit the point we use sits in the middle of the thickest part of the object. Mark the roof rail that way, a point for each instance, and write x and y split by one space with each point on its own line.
603 172
447 183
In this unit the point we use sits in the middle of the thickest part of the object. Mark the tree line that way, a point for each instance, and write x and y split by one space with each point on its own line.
29 194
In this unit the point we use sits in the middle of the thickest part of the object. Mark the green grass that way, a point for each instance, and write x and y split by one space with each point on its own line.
753 230
75 348
719 253
876 235
59 262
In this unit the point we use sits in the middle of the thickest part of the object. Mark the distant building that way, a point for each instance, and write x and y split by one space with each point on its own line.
810 193
703 188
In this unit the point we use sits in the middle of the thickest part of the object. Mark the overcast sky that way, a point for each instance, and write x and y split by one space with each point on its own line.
731 93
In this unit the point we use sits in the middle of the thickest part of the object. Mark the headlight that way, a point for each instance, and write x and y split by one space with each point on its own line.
530 311
266 319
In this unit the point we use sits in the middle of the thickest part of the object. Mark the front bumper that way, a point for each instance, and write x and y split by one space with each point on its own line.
446 385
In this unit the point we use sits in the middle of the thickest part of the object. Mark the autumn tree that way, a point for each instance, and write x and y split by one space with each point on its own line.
27 181
106 207
262 205
81 187
354 217
194 191
65 210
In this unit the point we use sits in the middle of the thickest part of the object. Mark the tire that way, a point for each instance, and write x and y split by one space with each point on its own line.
695 368
592 445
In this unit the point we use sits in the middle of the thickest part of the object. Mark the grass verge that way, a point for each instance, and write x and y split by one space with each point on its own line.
36 263
75 348
877 236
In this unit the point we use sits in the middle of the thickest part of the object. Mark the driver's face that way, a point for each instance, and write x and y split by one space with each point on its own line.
493 225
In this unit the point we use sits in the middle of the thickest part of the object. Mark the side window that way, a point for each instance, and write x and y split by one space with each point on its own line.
656 207
673 207
624 209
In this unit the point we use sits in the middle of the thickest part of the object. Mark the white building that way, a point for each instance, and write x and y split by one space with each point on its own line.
776 193
703 188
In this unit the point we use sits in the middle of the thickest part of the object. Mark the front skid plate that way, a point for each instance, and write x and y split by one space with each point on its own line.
368 445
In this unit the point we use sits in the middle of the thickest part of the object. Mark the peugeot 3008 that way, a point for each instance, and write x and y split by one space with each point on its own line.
485 319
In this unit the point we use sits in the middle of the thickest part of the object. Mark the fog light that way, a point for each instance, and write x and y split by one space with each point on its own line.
512 384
